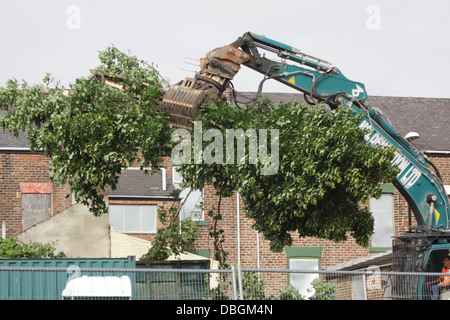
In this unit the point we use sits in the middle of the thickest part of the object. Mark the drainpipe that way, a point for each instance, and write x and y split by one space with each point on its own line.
4 230
238 230
164 179
257 250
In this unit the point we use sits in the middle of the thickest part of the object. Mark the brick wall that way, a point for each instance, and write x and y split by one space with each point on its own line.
17 168
443 164
332 253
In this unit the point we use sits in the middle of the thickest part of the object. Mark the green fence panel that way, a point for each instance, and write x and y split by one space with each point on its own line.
45 279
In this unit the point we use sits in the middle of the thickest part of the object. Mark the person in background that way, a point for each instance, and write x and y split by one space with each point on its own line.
435 287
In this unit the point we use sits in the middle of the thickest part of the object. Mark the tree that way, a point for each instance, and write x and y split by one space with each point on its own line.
322 167
11 248
97 130
175 237
325 168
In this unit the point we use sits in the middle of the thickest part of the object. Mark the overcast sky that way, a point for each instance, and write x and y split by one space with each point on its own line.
396 47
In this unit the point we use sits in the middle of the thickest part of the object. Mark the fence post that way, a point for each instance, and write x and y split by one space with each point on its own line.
233 281
241 291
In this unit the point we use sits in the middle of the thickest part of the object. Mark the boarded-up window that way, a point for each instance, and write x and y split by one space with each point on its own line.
35 208
36 203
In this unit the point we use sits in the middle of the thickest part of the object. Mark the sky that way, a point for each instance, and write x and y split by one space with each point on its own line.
394 47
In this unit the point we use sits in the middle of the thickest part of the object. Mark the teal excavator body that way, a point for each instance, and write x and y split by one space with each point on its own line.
418 179
319 81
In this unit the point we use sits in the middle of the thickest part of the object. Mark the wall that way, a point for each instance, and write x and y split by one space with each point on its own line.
17 168
250 250
123 245
79 234
332 253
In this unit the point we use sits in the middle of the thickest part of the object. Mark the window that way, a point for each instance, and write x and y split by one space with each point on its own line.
302 281
35 208
303 258
36 203
383 213
133 218
358 288
192 207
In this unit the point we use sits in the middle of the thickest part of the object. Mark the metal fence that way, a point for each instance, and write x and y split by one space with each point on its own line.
29 283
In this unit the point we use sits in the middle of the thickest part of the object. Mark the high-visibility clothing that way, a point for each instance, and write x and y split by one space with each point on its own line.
446 278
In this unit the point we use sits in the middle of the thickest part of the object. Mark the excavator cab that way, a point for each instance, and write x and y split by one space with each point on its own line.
417 252
433 262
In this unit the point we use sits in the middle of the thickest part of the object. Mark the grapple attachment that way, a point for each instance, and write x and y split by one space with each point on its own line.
184 99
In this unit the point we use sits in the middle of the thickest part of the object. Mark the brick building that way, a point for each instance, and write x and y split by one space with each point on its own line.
137 196
27 195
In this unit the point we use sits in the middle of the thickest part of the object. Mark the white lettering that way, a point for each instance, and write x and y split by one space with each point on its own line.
270 163
408 174
193 310
401 162
374 20
181 153
244 309
240 136
356 92
411 177
214 152
73 22
198 142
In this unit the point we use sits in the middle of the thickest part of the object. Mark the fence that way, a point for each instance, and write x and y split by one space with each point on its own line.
22 283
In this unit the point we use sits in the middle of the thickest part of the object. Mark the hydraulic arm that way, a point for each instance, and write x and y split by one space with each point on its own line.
320 82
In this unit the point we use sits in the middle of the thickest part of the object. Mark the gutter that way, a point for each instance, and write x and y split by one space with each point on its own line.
15 149
437 152
119 197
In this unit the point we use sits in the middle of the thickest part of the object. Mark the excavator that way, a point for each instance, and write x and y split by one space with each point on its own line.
422 247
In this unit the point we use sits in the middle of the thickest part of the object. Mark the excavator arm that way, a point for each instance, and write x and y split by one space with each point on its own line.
320 82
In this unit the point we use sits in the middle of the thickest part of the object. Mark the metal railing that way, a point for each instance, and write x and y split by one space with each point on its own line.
236 283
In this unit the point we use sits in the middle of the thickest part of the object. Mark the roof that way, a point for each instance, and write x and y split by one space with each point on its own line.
374 259
10 142
136 184
429 117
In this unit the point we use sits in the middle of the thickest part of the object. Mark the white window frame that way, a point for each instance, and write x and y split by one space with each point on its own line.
177 180
302 281
359 291
381 240
154 217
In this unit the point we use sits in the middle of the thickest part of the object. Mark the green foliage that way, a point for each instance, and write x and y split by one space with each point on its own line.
253 289
323 291
325 169
290 293
173 237
91 135
218 235
170 240
253 286
11 248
